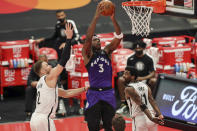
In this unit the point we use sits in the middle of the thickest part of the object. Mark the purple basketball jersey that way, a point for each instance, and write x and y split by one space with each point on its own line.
100 76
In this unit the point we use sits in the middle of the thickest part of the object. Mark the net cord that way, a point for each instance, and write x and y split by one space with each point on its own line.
140 17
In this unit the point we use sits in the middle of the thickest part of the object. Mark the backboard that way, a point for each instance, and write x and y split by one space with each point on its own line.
185 8
181 8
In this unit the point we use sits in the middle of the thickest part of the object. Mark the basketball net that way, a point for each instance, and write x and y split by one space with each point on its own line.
140 17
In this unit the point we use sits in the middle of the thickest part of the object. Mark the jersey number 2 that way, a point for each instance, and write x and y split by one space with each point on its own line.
38 97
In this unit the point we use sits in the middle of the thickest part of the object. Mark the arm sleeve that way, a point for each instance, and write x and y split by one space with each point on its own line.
65 53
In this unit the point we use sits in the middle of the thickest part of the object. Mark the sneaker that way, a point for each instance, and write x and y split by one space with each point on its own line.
101 125
123 109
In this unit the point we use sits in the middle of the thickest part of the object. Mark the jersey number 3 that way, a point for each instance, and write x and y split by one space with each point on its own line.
101 69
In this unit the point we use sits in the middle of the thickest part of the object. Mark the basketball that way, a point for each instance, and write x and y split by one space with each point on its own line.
108 7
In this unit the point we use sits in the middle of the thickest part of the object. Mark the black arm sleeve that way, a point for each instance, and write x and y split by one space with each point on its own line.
65 53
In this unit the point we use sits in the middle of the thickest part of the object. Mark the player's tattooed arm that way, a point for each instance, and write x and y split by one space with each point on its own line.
131 93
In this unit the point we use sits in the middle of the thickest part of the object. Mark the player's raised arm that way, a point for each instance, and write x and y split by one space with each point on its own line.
51 79
118 35
71 92
86 50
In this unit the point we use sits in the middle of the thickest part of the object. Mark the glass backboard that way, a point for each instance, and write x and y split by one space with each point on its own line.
186 8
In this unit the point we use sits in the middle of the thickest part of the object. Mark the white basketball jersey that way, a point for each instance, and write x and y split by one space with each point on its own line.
47 98
142 90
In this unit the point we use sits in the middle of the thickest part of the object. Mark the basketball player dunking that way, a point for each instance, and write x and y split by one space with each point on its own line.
142 106
101 102
47 90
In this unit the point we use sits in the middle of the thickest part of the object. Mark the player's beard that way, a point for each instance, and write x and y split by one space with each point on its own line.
96 48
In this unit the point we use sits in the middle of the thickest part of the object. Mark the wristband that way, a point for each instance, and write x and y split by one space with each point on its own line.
118 36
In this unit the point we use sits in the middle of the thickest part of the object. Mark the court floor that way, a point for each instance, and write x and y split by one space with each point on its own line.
68 124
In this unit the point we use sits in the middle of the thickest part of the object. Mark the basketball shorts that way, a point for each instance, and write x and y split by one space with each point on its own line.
41 122
143 123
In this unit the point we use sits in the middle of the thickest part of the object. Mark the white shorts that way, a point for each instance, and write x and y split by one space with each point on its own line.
143 123
41 122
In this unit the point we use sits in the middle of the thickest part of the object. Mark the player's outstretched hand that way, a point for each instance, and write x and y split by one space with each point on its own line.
69 31
161 117
158 120
99 9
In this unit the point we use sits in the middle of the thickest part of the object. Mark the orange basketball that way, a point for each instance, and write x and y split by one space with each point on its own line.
108 7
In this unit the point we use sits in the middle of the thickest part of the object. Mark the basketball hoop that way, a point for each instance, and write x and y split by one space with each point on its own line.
140 12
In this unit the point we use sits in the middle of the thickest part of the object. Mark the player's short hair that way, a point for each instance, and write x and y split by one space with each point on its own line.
118 123
37 67
139 43
58 11
95 37
133 71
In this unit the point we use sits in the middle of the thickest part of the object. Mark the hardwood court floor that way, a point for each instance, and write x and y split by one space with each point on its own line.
68 124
